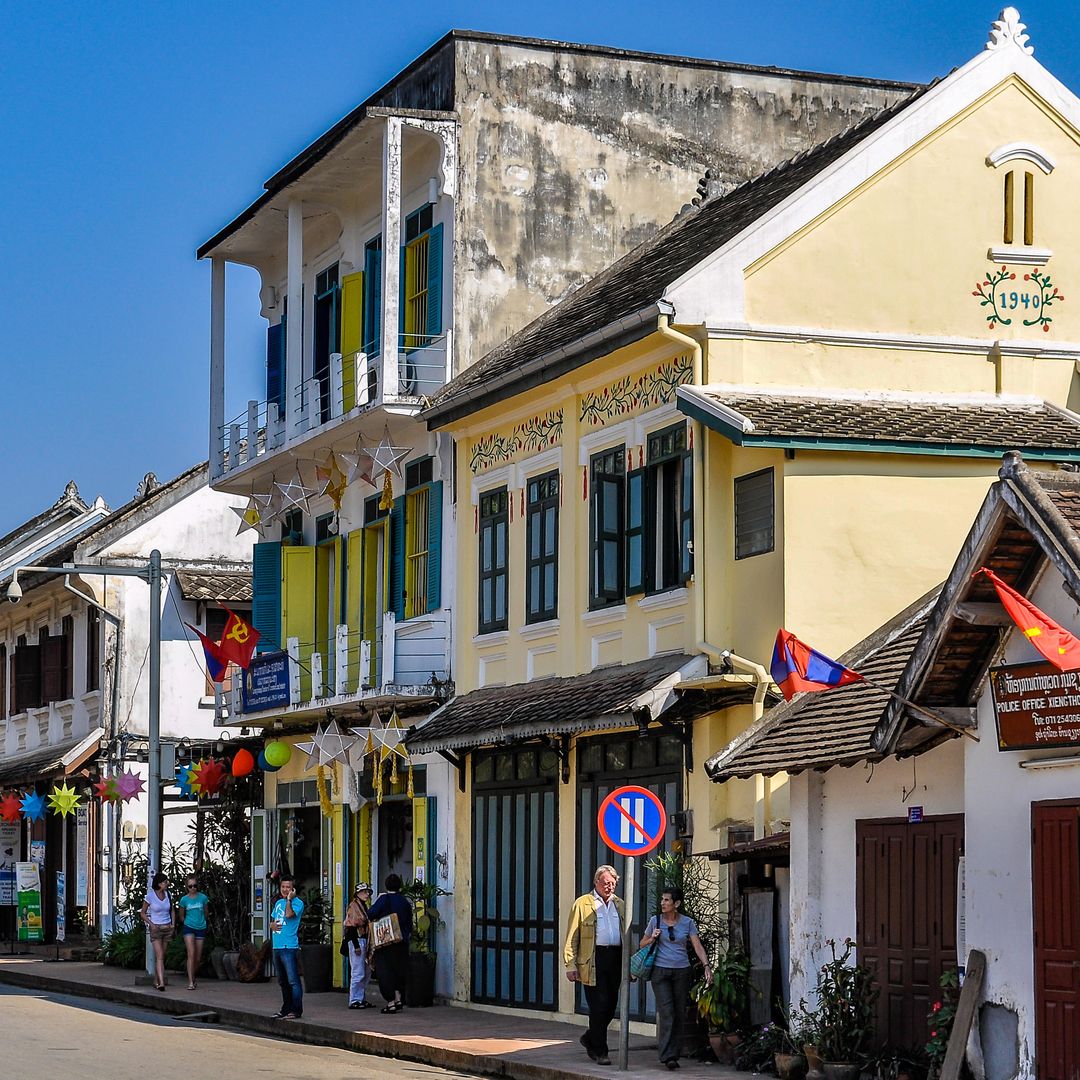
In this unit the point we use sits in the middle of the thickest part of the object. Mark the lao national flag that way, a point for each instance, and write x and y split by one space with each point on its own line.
238 641
796 667
1060 647
215 663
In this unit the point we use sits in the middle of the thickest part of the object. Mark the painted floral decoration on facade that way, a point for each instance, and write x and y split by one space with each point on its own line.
1035 300
531 436
630 395
1048 294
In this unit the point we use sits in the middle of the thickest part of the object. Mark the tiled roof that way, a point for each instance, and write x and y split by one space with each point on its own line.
48 761
228 585
497 714
623 291
987 422
833 727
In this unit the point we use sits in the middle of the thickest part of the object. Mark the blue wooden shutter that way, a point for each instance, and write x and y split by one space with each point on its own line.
434 282
634 537
686 519
397 558
432 846
266 599
372 301
434 546
275 363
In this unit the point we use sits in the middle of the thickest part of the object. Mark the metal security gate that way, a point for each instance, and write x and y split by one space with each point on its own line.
603 764
515 825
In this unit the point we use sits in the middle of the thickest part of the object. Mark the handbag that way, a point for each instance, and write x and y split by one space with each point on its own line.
643 962
385 931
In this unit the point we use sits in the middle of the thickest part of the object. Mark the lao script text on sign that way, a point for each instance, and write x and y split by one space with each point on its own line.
1036 706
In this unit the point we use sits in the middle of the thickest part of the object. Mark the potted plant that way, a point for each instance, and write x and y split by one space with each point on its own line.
724 1002
420 990
771 1045
316 957
843 1022
940 1019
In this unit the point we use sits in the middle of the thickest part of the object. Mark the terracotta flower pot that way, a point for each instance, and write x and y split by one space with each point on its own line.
790 1066
841 1070
814 1070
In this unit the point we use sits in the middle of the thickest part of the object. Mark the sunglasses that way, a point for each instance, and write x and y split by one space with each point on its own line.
671 933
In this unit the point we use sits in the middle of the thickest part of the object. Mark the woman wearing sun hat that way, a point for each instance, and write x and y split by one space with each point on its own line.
355 939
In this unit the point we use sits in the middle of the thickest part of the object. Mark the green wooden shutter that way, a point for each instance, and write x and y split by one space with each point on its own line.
686 519
275 364
372 301
397 558
266 598
636 570
434 282
432 840
434 546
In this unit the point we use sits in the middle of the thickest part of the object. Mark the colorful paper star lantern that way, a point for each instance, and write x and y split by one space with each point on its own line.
63 800
10 808
129 785
106 790
358 463
33 806
386 457
183 781
242 763
253 515
209 776
334 481
327 745
294 493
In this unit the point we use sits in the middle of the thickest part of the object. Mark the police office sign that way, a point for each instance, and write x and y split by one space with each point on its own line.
1036 706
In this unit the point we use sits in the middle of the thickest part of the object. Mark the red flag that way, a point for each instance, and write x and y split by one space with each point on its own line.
796 667
1060 647
215 662
238 641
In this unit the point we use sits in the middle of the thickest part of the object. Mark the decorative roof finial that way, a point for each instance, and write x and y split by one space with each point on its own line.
1009 30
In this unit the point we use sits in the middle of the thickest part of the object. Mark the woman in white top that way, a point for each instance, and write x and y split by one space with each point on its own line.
160 919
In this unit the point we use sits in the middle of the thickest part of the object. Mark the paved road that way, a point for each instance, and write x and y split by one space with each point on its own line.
69 1038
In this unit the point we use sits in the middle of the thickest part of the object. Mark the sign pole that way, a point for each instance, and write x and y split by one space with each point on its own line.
627 952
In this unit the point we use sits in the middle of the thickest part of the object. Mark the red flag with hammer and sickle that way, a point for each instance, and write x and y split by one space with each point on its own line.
238 641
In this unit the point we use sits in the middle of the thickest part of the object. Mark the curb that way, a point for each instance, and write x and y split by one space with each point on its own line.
302 1031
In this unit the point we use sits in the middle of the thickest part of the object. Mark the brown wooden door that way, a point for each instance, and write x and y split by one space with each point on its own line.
1055 881
906 916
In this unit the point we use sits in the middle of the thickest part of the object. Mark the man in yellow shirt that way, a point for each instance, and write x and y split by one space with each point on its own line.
593 956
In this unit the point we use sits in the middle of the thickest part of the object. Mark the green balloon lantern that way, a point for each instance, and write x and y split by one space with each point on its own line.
264 764
277 753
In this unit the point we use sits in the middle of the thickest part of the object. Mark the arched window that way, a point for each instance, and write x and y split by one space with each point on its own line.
1018 200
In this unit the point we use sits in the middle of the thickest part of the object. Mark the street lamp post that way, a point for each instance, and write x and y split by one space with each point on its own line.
151 574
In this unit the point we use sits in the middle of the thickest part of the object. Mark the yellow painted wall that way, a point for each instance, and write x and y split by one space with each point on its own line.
904 251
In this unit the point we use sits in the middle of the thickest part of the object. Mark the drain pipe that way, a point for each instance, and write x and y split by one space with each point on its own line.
664 329
112 819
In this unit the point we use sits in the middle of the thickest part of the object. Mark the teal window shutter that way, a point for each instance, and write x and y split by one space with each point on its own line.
432 842
434 282
266 598
635 532
434 546
275 364
372 300
397 558
686 519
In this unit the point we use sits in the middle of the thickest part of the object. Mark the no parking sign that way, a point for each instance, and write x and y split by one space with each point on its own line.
632 820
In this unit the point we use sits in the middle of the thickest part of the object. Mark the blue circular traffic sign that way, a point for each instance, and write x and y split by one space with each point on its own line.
632 820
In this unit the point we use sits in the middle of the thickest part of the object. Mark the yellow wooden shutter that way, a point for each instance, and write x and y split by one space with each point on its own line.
298 607
364 845
352 332
419 833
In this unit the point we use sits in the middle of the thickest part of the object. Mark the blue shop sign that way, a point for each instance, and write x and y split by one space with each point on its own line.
266 682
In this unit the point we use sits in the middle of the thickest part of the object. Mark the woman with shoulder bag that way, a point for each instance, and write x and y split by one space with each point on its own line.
391 942
160 920
355 940
671 931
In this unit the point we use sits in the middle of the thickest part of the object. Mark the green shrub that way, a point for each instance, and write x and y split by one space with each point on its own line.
125 948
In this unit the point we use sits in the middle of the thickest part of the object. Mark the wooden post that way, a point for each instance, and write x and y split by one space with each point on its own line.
965 1015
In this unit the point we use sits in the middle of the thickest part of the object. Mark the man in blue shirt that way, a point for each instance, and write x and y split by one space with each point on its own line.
285 927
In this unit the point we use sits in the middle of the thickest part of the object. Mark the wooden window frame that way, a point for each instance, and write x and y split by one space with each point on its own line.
416 550
494 515
668 478
543 494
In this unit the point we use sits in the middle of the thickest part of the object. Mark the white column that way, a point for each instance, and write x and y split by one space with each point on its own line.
293 374
217 367
391 257
807 855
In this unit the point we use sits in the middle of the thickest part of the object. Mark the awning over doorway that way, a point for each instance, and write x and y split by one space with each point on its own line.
600 699
775 848
230 586
59 759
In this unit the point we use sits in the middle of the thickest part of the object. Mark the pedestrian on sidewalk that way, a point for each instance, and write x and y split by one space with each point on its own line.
355 939
593 956
285 930
193 907
160 920
671 932
392 956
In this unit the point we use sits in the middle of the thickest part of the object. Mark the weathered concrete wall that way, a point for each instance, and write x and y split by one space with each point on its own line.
570 157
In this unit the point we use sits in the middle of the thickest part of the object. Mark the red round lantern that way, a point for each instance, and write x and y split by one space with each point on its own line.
242 763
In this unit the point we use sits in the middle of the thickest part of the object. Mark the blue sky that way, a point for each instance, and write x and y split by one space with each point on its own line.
133 132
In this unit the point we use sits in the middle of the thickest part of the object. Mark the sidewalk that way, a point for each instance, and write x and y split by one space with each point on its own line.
450 1037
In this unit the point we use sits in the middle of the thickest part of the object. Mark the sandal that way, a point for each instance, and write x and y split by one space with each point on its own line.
191 986
391 1008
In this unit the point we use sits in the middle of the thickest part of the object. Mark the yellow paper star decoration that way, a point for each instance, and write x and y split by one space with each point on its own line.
63 800
334 482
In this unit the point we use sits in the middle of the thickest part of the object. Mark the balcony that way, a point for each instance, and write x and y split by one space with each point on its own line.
408 659
313 413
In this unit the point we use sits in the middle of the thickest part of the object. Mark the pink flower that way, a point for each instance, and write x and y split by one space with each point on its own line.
937 1006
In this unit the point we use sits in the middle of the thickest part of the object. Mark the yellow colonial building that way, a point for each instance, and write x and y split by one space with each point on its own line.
784 410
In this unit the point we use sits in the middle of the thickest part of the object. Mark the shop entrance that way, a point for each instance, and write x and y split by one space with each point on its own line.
395 847
1055 882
